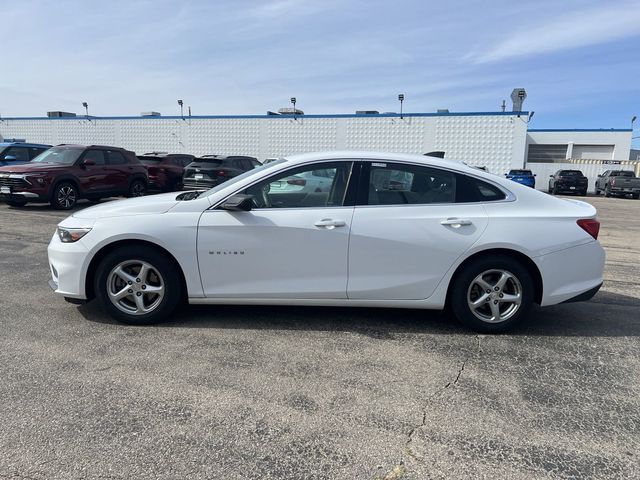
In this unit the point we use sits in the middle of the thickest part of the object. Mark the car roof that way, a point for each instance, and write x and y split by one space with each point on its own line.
23 144
392 157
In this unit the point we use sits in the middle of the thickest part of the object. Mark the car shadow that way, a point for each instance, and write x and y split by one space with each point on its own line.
606 315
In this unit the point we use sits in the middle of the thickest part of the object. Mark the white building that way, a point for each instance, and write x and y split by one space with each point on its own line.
497 140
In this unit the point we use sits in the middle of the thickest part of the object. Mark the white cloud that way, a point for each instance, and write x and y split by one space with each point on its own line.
568 30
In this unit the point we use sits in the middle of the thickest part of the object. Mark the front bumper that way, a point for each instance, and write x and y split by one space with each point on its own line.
67 266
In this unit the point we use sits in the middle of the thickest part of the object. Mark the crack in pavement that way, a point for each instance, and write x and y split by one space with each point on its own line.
423 423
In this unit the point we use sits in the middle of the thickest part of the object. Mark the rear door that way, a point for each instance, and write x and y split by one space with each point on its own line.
407 231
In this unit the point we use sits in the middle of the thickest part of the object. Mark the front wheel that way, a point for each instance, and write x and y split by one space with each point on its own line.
138 285
138 188
493 294
65 196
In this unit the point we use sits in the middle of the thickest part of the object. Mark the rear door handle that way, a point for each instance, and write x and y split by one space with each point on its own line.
456 222
329 223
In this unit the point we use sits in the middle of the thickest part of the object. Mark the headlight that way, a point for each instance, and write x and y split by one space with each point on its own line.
70 235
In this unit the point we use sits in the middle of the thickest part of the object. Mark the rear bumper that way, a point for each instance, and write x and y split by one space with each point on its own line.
571 273
583 297
624 190
571 188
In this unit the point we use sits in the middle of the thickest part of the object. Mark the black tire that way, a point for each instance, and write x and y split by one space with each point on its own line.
15 203
636 196
597 192
549 189
168 275
583 193
555 190
607 191
464 289
65 196
138 188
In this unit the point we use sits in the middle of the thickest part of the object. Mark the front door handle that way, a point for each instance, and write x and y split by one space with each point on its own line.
456 222
329 223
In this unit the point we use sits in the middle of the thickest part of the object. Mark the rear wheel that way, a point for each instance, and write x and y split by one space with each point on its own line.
636 196
491 295
138 188
597 192
138 285
65 196
15 203
583 193
607 191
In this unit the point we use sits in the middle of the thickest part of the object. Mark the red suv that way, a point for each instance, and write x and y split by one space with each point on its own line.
165 169
65 173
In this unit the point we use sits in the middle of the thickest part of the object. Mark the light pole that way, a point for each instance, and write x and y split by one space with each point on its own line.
86 109
401 98
293 102
181 109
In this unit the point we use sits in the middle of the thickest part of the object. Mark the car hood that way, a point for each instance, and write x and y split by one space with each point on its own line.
152 204
30 167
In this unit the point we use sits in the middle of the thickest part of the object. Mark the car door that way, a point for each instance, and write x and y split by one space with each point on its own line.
290 245
117 172
407 230
93 178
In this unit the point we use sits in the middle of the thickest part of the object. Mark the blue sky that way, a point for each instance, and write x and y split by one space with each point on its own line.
578 60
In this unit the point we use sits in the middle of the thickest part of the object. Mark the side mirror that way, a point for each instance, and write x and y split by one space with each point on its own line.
88 163
599 176
535 174
10 158
238 203
550 176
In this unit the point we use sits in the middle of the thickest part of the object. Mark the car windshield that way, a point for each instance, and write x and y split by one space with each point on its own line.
622 173
520 172
59 155
150 159
242 176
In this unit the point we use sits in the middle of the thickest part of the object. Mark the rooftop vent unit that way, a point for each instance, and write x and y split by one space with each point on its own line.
150 114
517 97
367 112
290 111
443 110
59 114
269 112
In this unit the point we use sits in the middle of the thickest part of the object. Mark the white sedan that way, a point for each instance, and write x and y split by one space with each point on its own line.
393 230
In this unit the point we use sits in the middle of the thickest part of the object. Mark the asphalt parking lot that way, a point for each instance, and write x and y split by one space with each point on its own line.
275 392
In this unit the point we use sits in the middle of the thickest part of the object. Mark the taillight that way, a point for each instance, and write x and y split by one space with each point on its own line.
297 181
590 225
613 181
221 173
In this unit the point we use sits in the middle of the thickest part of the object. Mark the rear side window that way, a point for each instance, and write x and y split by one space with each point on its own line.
116 158
399 184
35 151
471 189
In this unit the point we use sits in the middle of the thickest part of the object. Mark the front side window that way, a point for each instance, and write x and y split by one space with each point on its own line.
96 156
21 154
399 184
320 185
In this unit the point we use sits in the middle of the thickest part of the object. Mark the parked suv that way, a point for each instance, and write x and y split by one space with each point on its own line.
568 181
522 176
15 153
165 169
63 174
211 170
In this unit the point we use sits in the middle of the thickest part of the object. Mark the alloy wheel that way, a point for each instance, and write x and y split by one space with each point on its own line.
135 287
137 189
66 196
494 296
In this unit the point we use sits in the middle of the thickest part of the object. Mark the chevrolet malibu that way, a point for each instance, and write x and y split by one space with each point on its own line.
446 235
